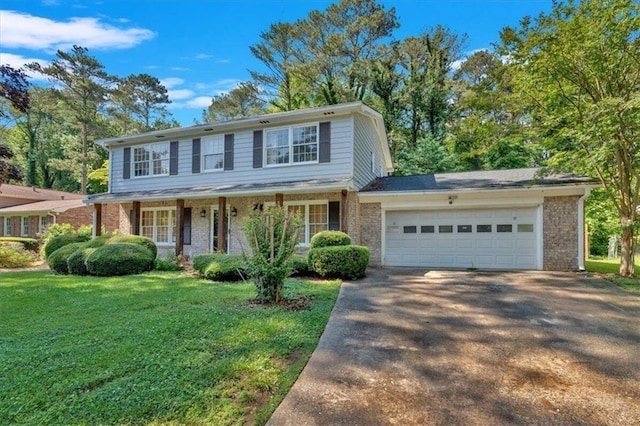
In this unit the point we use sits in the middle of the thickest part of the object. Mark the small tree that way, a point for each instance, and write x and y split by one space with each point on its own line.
272 236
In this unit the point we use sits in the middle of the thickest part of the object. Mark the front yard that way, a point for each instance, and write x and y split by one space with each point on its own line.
610 268
154 348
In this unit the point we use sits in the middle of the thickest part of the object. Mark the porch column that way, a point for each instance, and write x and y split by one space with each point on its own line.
279 200
97 225
344 213
222 224
179 227
135 218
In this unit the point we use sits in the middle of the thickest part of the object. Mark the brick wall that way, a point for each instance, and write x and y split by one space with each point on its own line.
77 217
371 229
560 229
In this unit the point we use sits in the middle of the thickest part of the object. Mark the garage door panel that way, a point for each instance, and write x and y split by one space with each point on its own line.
463 238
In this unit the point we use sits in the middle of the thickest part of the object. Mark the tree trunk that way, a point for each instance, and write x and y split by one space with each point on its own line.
627 249
84 158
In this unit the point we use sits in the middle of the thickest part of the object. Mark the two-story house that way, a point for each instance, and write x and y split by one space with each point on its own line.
190 189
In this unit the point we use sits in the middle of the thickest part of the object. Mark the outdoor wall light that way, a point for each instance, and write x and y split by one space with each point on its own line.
203 213
234 212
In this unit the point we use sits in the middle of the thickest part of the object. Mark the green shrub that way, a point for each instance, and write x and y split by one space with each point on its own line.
299 265
135 239
220 267
54 243
348 262
58 259
119 259
14 257
76 261
171 262
329 239
30 244
98 241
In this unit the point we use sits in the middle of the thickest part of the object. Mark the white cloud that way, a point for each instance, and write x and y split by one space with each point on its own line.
199 102
21 30
17 61
222 61
203 56
180 69
170 82
180 94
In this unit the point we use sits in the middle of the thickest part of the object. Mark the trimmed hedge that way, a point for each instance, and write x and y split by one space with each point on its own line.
329 239
119 259
58 259
14 257
30 244
76 262
348 262
62 240
135 239
299 265
220 267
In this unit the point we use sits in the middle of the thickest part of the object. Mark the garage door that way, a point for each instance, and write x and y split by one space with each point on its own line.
487 238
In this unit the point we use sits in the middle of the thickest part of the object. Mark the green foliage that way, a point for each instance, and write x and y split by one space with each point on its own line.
299 266
76 261
98 180
57 229
223 267
509 153
136 239
15 256
272 235
171 262
53 244
98 241
57 260
428 156
340 261
329 238
602 222
119 259
30 244
201 261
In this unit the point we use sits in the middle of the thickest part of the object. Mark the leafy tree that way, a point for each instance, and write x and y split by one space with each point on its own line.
84 87
243 101
98 180
602 222
8 171
428 156
14 89
580 66
272 236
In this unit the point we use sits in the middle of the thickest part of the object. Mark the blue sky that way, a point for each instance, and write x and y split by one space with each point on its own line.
200 48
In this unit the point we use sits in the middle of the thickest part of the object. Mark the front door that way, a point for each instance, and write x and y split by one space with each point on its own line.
215 216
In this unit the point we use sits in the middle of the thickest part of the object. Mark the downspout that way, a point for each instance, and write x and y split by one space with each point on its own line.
581 253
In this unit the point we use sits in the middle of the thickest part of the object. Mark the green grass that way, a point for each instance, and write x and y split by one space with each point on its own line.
158 348
611 267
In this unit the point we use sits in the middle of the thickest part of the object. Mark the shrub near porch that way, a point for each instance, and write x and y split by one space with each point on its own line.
154 348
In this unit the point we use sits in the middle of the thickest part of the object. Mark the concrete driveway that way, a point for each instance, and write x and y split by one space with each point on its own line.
405 347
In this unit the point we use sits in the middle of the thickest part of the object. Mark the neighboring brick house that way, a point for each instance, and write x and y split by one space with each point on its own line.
27 211
191 188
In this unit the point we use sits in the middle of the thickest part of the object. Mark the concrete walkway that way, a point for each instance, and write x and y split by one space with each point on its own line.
403 347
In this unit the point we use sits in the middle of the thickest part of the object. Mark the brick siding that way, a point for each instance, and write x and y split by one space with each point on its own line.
371 230
560 229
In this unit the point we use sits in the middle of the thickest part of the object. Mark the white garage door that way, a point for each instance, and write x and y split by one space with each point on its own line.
487 238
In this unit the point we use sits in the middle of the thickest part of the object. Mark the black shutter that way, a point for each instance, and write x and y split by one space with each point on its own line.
228 152
334 215
257 149
186 228
195 150
173 158
324 142
126 164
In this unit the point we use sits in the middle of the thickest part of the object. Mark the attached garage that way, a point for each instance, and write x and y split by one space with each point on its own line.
505 238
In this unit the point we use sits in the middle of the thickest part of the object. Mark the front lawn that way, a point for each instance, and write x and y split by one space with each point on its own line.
154 348
611 267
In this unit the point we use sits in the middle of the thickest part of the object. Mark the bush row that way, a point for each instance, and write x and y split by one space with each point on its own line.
106 255
30 244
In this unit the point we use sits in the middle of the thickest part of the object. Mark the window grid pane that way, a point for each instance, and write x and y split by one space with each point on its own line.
160 159
299 211
147 224
141 161
213 154
25 226
277 147
305 144
318 218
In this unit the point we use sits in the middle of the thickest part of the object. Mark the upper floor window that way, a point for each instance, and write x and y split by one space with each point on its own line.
213 153
151 160
291 145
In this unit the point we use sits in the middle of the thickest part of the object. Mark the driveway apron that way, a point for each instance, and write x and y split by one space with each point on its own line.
407 346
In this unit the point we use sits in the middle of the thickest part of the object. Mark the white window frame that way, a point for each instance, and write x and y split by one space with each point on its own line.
307 224
24 226
151 148
44 223
7 226
290 146
209 143
171 237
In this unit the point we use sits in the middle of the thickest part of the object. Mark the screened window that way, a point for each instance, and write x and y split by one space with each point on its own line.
43 224
7 226
151 160
296 144
158 225
213 153
24 228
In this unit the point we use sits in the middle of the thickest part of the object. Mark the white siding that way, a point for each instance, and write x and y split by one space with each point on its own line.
365 144
243 172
